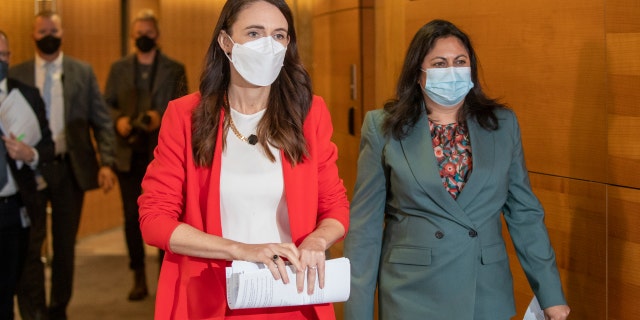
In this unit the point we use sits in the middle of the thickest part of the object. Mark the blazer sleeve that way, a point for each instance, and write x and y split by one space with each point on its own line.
162 200
332 198
524 216
100 119
110 91
364 241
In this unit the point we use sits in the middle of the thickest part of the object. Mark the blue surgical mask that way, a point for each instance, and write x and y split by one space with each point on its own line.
448 86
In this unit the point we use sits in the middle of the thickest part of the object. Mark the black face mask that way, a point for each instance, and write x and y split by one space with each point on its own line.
49 44
4 68
145 44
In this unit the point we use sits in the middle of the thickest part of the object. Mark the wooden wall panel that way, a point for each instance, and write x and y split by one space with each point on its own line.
623 75
546 59
92 33
390 48
321 7
187 28
624 253
16 20
332 65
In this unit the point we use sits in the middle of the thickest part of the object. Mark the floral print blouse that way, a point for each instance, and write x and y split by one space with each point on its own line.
452 148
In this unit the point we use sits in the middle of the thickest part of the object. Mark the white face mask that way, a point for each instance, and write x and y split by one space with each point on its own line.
258 61
448 86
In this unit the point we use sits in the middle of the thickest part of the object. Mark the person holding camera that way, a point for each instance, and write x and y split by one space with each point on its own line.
138 89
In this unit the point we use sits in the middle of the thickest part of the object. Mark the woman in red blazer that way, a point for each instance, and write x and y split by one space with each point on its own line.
244 170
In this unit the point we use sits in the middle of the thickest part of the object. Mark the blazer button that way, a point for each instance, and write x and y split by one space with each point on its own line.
473 233
439 234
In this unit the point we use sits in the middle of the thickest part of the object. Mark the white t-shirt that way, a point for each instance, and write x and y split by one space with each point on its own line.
253 207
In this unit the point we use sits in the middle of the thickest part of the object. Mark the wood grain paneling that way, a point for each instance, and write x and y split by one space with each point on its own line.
390 47
624 253
187 28
333 63
100 211
321 7
92 33
16 20
622 16
623 74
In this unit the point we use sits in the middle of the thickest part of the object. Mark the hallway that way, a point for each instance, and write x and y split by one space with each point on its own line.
103 280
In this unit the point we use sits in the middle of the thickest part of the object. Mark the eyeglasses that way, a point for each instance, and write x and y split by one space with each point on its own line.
5 54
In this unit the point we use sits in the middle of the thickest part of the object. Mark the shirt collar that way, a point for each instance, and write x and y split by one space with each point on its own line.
57 62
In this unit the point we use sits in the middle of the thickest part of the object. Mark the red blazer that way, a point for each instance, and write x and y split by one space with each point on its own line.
176 191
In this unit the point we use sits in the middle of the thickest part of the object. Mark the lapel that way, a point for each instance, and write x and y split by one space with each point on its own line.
483 157
128 76
68 86
422 162
161 74
30 75
211 177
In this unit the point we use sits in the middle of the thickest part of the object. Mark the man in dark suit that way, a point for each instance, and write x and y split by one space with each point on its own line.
75 110
138 90
19 197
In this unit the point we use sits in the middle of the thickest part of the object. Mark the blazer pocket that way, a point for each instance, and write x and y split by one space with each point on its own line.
493 253
410 255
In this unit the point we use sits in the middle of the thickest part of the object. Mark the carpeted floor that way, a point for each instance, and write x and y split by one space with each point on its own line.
101 288
103 280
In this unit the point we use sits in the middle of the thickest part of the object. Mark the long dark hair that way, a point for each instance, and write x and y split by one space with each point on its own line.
404 111
289 99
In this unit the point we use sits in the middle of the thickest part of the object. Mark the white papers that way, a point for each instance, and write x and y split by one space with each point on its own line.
251 285
17 117
534 312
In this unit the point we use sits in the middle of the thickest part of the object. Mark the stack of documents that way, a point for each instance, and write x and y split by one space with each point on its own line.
17 118
251 285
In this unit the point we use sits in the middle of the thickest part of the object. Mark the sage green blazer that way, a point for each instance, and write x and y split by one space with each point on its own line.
433 257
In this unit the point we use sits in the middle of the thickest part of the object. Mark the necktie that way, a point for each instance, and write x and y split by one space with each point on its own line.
47 86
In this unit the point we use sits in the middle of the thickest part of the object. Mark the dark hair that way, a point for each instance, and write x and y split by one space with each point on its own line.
404 111
289 98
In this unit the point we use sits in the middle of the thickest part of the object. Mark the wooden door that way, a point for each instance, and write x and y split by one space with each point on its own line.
342 72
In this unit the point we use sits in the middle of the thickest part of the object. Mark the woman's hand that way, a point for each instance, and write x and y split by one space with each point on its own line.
271 255
312 253
560 312
312 258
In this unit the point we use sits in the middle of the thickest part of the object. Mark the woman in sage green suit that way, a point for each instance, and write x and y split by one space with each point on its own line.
437 167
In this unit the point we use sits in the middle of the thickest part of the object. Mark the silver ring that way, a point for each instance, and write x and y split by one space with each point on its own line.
313 267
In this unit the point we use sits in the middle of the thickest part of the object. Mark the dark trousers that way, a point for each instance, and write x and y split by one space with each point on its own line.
130 190
66 198
14 240
31 295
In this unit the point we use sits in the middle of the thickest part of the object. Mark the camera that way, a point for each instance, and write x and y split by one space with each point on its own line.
139 128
